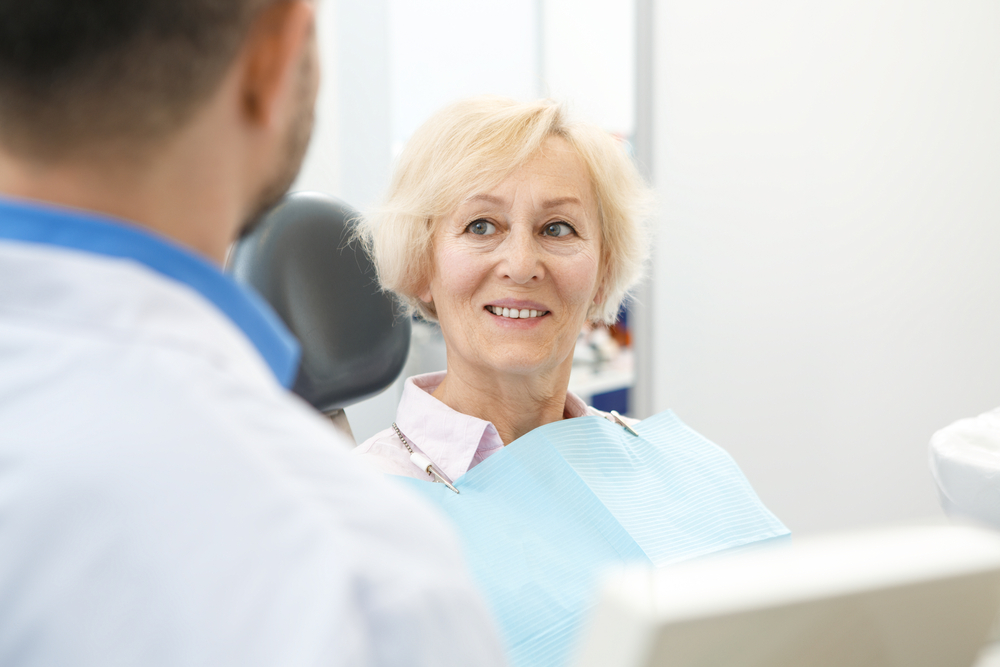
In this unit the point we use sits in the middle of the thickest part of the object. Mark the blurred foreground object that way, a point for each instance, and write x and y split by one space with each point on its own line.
301 260
965 462
908 597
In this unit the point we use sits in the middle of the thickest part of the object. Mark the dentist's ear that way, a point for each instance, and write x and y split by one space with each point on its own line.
279 41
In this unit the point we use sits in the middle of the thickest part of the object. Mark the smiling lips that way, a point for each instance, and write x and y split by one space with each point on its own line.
514 313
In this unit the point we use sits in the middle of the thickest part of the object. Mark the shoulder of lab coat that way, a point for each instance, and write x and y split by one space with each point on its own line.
164 501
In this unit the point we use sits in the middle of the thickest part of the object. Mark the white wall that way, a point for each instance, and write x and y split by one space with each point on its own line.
350 153
588 60
826 278
444 50
321 168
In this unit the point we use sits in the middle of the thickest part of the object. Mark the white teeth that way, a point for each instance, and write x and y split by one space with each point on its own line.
514 313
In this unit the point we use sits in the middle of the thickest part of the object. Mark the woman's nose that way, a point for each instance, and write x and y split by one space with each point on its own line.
521 261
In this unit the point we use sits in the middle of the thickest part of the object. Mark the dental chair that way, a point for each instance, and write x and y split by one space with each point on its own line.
301 260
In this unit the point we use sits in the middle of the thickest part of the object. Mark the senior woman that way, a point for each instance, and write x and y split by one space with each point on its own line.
512 227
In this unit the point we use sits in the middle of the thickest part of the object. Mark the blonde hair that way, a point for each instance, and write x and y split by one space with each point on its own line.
470 147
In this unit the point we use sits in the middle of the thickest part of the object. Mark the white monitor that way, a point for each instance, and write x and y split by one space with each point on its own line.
907 597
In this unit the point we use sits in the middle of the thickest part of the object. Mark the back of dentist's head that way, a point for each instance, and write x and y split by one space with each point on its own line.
77 73
179 115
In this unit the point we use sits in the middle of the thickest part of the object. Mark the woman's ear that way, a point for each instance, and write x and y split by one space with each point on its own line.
424 279
599 294
598 302
424 293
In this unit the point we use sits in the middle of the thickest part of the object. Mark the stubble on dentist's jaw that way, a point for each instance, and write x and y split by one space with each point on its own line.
296 142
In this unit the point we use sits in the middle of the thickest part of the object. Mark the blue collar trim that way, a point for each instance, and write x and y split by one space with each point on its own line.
38 223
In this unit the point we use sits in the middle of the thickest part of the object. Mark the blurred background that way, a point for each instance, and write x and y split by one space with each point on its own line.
824 291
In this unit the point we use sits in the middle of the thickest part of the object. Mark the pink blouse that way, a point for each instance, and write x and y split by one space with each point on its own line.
454 442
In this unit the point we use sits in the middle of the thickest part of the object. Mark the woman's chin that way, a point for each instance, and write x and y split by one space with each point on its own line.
520 365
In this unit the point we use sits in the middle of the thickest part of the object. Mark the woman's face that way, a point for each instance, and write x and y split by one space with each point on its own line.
516 268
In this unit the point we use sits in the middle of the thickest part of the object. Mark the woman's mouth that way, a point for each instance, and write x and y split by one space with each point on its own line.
514 313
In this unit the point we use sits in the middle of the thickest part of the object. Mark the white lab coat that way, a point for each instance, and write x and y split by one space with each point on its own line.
164 501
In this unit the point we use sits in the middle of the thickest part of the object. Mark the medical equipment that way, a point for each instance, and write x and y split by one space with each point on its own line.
618 418
905 597
423 462
965 463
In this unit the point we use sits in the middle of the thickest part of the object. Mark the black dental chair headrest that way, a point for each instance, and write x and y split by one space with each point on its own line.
300 260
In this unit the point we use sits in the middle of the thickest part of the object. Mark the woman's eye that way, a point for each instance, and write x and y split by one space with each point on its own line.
558 229
481 227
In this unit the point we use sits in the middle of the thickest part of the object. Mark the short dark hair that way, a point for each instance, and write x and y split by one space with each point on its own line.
83 72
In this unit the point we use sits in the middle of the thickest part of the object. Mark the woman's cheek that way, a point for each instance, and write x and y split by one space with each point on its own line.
459 270
578 276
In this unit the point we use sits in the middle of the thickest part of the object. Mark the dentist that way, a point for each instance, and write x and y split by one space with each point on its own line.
164 500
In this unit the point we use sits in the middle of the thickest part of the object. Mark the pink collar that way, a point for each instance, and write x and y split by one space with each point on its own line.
453 441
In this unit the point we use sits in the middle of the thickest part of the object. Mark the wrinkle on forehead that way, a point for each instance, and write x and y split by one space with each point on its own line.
518 179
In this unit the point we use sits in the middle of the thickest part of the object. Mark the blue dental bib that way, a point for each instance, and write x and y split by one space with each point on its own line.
543 519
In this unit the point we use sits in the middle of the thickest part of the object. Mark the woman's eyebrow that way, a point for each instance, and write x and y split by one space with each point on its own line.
491 199
559 201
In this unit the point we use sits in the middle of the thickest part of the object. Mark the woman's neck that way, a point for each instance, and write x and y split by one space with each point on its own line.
515 404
